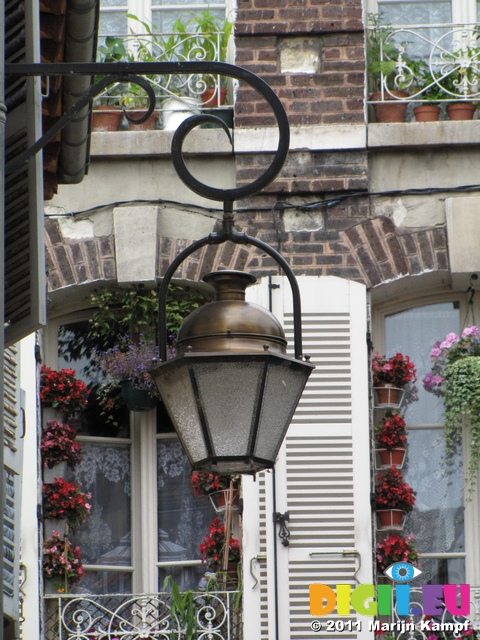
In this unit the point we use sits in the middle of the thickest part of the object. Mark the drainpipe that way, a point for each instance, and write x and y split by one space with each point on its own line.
80 46
3 110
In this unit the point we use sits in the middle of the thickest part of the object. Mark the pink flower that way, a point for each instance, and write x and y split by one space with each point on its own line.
470 331
450 339
435 352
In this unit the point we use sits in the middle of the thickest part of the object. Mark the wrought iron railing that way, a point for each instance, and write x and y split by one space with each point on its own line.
138 617
175 47
444 626
430 63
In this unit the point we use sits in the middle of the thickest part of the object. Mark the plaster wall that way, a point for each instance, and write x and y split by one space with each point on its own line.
126 179
401 169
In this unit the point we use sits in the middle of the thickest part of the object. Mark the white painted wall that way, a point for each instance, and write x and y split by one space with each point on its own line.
29 524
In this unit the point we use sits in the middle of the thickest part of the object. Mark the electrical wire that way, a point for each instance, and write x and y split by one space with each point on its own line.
324 202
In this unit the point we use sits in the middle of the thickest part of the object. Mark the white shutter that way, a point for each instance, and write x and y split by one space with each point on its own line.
322 475
13 430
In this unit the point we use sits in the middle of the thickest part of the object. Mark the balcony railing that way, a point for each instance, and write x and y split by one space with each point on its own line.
418 626
431 63
138 617
175 47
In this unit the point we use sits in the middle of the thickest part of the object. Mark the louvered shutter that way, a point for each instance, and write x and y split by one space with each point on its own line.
25 294
13 430
322 475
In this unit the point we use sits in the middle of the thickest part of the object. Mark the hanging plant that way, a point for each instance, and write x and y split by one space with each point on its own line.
391 432
395 549
455 375
62 499
60 561
392 493
204 483
59 444
214 543
397 370
62 391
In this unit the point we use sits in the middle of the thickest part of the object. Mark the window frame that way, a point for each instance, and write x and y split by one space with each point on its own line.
143 440
463 11
472 507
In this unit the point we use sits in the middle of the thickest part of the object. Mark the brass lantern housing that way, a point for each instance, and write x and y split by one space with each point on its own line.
231 391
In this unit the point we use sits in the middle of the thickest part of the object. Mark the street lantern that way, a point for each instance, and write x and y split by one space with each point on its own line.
230 395
232 390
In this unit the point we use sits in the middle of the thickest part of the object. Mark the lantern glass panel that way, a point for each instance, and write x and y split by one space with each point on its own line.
284 386
175 388
229 393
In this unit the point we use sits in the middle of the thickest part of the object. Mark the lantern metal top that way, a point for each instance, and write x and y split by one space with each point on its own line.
229 323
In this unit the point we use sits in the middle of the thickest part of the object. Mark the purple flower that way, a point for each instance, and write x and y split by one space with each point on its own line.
435 352
470 331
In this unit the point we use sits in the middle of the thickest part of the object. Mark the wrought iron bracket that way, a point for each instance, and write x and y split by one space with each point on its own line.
284 532
132 72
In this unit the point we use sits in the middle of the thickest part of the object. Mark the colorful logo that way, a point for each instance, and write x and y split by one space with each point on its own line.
368 601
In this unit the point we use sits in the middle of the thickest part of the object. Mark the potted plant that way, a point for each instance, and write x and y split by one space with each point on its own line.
389 71
216 487
63 500
128 364
390 439
459 81
395 549
455 375
213 547
390 375
60 450
393 498
61 562
61 391
107 111
429 90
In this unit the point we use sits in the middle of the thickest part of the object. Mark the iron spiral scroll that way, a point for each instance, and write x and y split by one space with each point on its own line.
134 73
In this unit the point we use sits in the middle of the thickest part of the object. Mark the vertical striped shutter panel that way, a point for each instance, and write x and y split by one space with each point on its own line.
25 293
322 475
13 457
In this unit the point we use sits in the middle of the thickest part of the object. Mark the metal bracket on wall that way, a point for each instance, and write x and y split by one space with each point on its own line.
284 532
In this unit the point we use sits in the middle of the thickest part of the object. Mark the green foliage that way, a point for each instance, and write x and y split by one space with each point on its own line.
183 608
131 313
462 409
383 55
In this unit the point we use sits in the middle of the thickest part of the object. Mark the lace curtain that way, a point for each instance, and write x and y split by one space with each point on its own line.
183 519
105 537
437 519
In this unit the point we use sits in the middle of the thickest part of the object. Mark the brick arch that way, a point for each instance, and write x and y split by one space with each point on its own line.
373 251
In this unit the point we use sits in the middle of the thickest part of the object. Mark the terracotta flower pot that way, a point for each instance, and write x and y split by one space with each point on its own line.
148 125
219 500
390 518
427 113
392 110
388 396
391 457
461 110
210 97
106 118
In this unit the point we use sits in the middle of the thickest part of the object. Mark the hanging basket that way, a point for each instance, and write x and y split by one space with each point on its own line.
391 457
59 470
390 519
388 396
219 500
137 399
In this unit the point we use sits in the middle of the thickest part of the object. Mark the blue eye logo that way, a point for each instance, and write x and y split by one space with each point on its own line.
402 572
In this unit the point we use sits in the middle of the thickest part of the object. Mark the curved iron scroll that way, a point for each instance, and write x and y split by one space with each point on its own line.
132 72
229 233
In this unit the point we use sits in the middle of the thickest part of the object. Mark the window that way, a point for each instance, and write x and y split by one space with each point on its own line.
437 520
145 522
162 14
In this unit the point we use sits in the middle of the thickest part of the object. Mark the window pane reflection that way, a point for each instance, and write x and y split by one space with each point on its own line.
105 536
183 519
